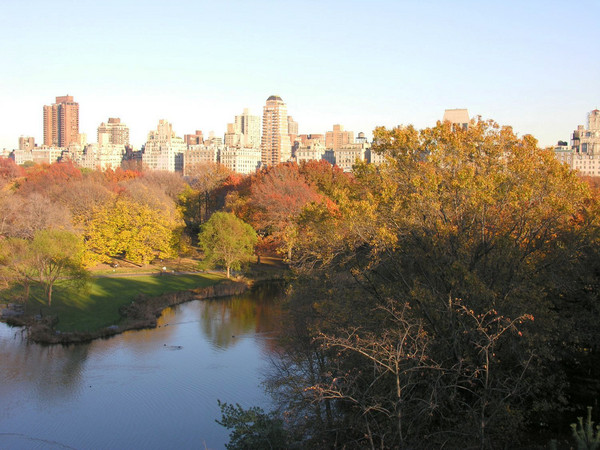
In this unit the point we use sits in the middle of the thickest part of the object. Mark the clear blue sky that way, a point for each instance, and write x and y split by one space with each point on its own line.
534 65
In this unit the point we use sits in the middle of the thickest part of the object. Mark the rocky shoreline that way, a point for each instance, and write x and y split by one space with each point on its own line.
140 314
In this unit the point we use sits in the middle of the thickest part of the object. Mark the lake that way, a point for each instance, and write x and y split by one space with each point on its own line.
150 389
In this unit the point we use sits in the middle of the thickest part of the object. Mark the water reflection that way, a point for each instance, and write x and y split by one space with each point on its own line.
224 322
53 372
151 388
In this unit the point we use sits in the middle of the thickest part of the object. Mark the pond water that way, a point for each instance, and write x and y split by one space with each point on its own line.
143 389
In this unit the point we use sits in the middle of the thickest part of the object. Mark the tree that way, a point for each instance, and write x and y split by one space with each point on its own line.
22 216
486 239
49 178
277 198
83 196
137 232
16 264
198 200
227 240
9 171
57 255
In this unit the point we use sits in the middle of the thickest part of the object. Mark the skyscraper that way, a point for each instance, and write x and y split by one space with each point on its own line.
275 145
61 122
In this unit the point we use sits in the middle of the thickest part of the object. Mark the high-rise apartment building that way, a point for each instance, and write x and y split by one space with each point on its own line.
244 132
113 132
336 139
163 149
61 122
249 126
275 144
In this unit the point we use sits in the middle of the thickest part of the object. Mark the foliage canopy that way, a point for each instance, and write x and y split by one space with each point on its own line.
227 240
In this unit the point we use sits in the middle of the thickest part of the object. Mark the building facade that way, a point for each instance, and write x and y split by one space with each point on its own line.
308 152
307 139
275 144
113 132
197 156
336 139
194 139
101 156
586 141
249 127
233 137
349 154
292 130
244 160
163 149
39 155
584 153
61 122
26 143
459 118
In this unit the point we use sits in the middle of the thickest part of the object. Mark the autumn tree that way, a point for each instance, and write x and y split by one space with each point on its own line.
146 191
17 265
198 200
227 240
277 198
57 255
48 178
130 230
484 238
326 178
24 215
82 197
9 171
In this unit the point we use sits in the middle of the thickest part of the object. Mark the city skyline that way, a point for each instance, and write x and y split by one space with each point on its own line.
353 63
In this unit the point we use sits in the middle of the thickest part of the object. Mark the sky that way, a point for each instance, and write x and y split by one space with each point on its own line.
534 65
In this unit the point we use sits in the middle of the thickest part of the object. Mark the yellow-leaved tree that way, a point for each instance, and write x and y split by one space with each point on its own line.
130 230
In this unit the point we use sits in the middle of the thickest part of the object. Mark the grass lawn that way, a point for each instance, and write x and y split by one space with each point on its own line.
99 306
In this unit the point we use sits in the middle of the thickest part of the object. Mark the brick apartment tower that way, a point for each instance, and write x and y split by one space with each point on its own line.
275 145
61 122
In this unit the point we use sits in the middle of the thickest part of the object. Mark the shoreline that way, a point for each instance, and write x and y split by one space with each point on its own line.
140 314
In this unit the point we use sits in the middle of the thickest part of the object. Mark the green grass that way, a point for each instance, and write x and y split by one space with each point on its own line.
99 306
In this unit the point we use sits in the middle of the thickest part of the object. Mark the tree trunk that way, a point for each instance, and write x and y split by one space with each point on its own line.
227 271
50 295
